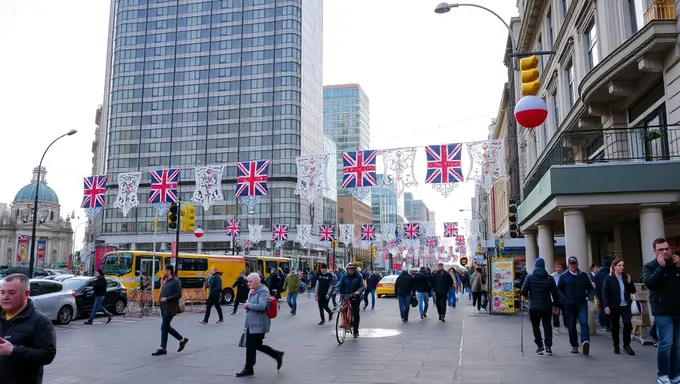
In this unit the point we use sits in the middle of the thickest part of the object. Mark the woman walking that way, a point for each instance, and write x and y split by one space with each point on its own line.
616 301
453 290
99 292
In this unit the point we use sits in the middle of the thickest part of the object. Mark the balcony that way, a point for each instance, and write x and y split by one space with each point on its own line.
660 10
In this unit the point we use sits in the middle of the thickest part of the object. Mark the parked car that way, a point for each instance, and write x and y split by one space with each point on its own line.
58 277
115 300
37 272
54 300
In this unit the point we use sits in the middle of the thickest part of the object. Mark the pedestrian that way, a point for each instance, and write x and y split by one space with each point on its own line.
28 341
485 289
99 287
662 277
171 293
291 284
274 284
616 300
241 285
540 287
477 284
574 287
256 326
453 291
559 269
600 276
442 283
405 290
371 285
323 292
214 285
352 286
422 281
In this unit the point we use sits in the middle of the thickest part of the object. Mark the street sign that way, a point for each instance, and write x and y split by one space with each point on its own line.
198 232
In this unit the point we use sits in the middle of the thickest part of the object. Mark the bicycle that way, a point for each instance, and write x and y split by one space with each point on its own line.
344 320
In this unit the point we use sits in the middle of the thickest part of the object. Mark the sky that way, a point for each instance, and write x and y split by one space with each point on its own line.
430 78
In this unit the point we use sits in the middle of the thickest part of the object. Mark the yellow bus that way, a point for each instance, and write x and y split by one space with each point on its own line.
192 269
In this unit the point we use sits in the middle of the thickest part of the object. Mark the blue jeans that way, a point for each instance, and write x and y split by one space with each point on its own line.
668 349
469 290
291 299
452 297
578 313
98 307
372 293
423 297
404 306
166 329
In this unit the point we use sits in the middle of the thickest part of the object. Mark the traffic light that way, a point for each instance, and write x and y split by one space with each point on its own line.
372 251
334 243
173 216
188 218
512 219
530 75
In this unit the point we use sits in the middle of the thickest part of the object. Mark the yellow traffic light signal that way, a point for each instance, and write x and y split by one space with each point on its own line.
530 76
334 244
188 218
372 251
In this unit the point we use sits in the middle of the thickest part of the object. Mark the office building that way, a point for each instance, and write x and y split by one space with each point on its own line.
384 205
416 210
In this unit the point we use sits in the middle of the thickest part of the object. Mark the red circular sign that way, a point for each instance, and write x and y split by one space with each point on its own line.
531 111
463 261
198 232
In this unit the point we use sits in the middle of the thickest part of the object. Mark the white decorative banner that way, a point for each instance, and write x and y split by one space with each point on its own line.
360 193
304 234
487 162
208 185
346 234
428 228
311 181
445 189
388 231
254 233
399 163
128 183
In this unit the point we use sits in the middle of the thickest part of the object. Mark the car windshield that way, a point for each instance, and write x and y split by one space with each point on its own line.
118 264
388 279
75 284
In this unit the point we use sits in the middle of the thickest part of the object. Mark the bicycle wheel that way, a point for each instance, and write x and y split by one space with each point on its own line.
340 329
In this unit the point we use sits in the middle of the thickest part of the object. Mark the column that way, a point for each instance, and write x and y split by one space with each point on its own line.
531 250
199 247
651 227
133 246
575 237
546 245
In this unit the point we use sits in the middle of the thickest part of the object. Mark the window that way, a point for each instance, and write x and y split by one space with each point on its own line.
556 109
565 7
571 85
593 53
549 22
637 10
184 264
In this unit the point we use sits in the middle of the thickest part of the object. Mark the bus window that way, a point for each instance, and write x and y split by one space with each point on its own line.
198 265
145 262
271 264
251 266
118 264
285 267
261 268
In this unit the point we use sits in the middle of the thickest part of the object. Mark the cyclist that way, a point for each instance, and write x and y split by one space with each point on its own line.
352 285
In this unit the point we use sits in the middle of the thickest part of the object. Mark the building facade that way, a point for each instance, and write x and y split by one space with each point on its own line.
353 211
599 169
415 210
383 204
193 83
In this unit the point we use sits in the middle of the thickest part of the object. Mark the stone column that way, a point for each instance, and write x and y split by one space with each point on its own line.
199 247
651 227
546 245
531 250
575 237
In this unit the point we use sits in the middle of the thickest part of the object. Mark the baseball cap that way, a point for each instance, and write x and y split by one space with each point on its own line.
573 260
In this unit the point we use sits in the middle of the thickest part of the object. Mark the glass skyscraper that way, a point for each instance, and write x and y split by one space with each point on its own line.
197 82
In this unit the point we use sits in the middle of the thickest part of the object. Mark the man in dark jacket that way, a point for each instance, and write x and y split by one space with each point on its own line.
574 287
241 285
545 302
405 290
442 281
422 281
600 276
214 287
325 283
662 277
372 281
171 293
27 338
99 287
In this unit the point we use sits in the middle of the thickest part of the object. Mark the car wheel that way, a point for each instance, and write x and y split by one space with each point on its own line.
227 296
65 315
119 308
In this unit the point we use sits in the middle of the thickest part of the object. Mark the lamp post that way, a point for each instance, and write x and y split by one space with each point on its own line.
35 203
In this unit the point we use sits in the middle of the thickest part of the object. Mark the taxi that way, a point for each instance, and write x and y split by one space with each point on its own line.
386 286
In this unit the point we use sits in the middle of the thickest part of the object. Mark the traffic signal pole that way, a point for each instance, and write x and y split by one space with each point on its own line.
179 228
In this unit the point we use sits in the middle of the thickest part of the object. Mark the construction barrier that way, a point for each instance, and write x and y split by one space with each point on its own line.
140 303
194 300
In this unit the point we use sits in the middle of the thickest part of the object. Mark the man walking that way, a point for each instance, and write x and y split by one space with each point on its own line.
574 287
241 285
324 290
559 269
214 286
541 288
171 293
422 281
371 285
662 277
291 285
99 291
405 290
27 338
442 282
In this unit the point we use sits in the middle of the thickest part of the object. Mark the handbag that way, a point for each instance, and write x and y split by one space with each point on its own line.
414 301
635 308
242 342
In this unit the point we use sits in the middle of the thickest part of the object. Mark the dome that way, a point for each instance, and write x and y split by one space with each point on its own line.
45 193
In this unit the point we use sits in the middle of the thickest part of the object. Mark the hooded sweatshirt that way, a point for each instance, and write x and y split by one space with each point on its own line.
541 288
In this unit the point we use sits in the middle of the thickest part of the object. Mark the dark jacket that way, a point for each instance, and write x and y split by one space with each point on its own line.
611 291
372 281
99 287
602 274
441 282
241 285
541 288
664 288
215 284
405 285
274 283
422 282
350 284
172 291
325 283
574 289
35 345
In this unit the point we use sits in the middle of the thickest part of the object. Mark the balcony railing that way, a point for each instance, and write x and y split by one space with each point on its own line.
609 145
660 10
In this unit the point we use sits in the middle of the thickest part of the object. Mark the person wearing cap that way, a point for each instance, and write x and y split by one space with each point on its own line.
574 287
352 285
99 292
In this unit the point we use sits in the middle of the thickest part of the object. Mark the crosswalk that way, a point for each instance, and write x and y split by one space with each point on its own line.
117 321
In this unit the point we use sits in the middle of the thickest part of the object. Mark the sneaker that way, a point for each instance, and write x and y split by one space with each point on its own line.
220 321
629 350
422 316
356 335
203 322
540 351
585 346
617 351
279 361
88 323
159 352
574 349
109 319
548 351
245 373
663 380
322 322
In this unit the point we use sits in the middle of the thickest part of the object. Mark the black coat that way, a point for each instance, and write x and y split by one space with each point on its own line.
441 282
242 290
611 291
422 282
405 285
542 291
664 285
99 287
35 345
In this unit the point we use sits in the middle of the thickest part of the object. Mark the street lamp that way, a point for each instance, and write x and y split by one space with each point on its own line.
35 202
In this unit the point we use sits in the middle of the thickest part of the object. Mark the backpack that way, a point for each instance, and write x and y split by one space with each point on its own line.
272 308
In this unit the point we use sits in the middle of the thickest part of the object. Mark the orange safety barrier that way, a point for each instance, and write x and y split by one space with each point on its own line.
194 300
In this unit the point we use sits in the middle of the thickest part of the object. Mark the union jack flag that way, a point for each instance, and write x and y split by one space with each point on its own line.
94 192
460 240
163 186
326 232
279 232
443 163
358 169
251 179
431 241
450 229
233 227
248 244
23 239
367 232
411 231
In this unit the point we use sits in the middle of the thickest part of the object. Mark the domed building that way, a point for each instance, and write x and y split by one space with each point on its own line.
54 235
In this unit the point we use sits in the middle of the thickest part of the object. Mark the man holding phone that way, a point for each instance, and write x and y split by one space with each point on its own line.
27 338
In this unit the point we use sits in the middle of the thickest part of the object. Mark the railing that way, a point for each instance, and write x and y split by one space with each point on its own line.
607 145
660 10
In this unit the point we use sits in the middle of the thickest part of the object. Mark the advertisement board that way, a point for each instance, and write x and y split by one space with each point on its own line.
502 288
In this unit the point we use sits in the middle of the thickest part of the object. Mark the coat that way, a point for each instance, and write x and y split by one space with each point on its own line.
664 285
611 291
257 320
541 288
241 286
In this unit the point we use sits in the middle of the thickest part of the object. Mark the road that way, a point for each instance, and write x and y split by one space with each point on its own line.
468 348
